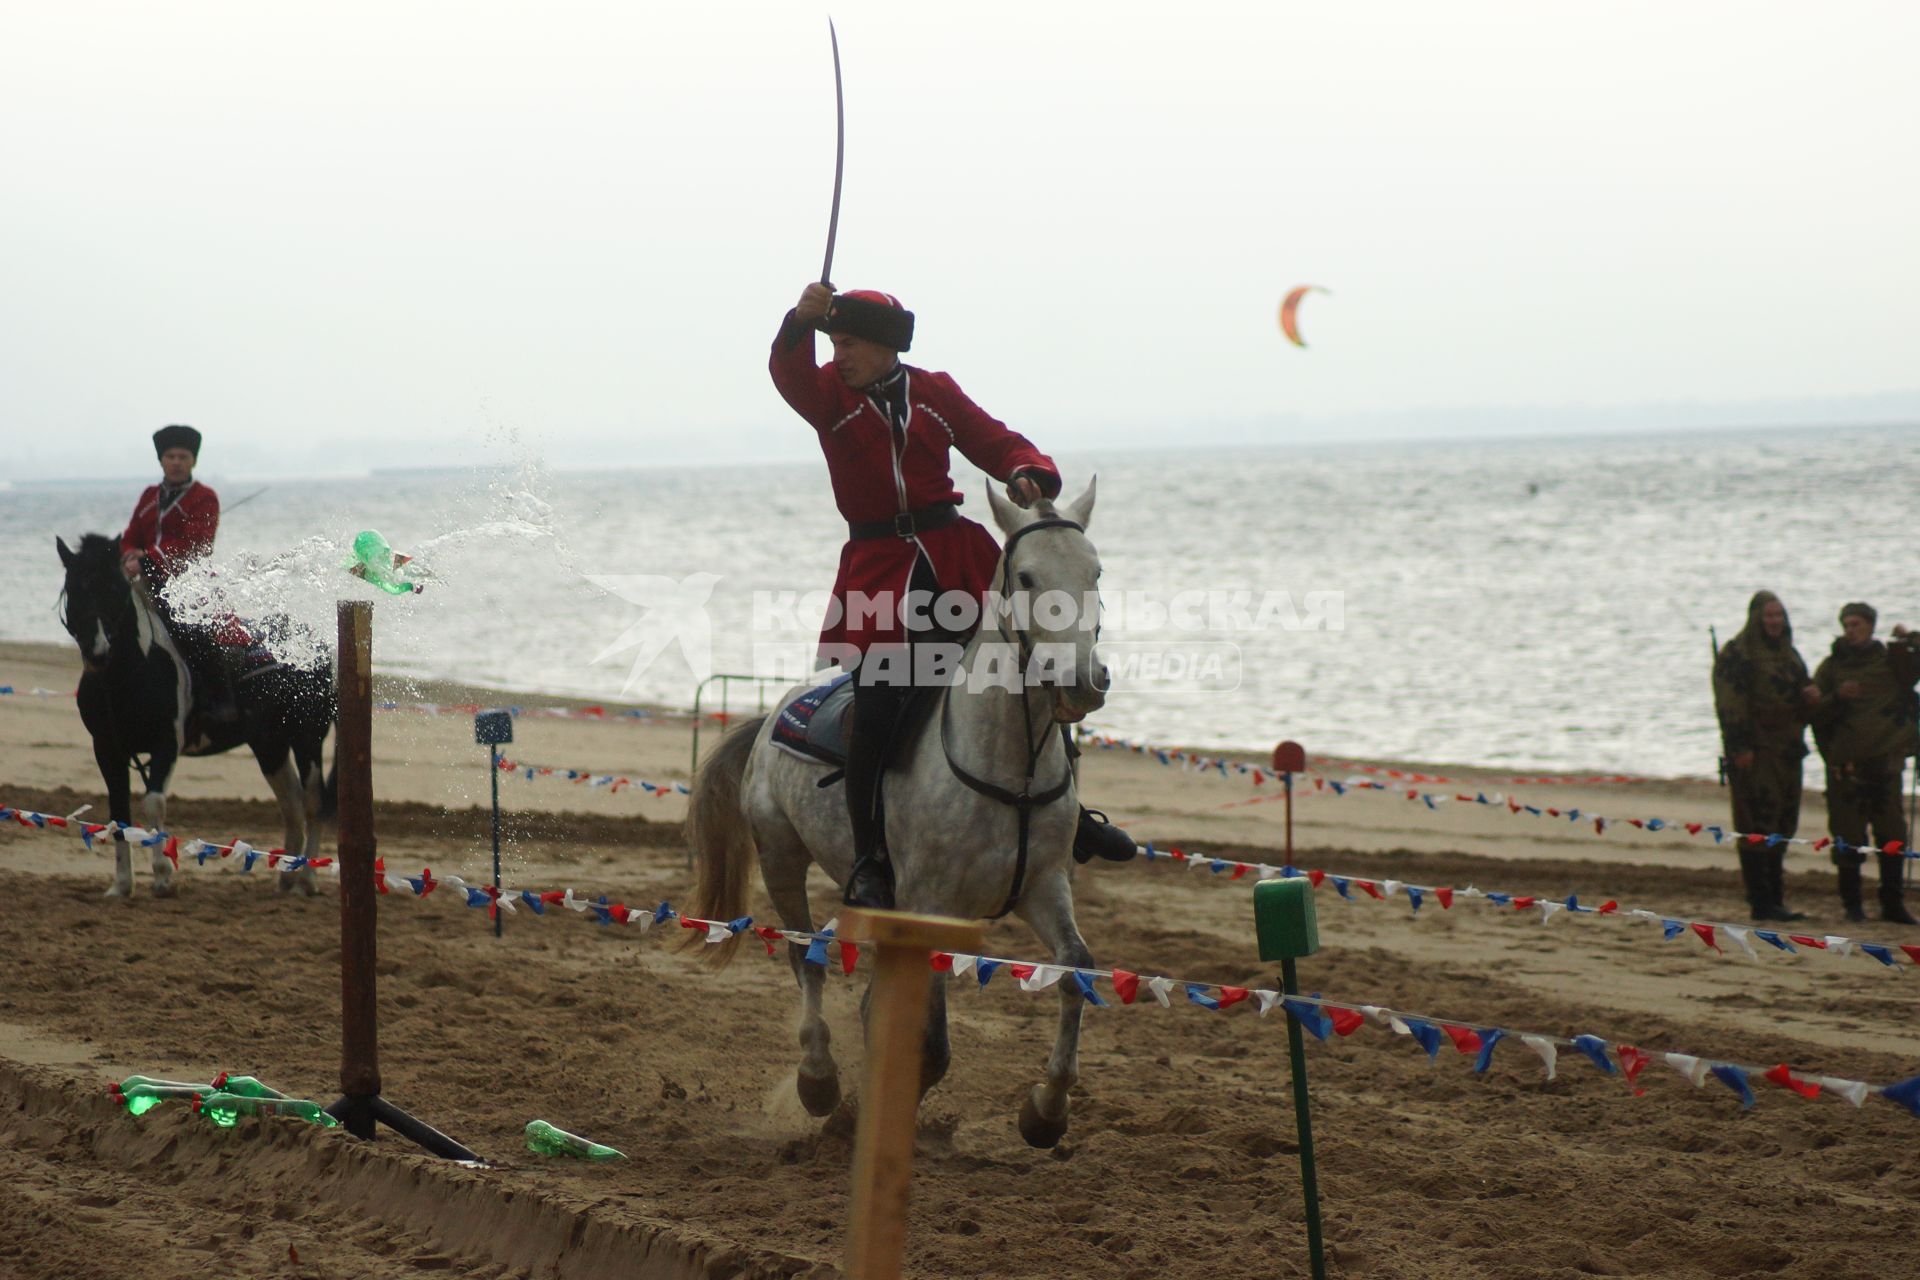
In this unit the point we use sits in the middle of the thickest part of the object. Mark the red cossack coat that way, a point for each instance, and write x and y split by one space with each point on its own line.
182 533
877 474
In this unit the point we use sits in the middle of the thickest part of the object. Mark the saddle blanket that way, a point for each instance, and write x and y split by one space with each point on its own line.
814 725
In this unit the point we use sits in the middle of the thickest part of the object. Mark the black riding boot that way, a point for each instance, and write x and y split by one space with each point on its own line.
1753 876
1096 837
1850 891
876 712
213 696
1777 883
1893 908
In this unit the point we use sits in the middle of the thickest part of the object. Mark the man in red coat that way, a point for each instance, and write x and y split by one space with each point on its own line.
174 524
175 521
886 429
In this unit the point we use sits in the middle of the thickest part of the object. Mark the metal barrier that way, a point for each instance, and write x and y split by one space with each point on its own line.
726 680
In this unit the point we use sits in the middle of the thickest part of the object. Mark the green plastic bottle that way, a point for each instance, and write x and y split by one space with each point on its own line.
134 1082
245 1086
144 1097
225 1109
547 1140
378 563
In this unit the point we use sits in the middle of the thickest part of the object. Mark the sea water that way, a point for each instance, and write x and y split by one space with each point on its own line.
1535 603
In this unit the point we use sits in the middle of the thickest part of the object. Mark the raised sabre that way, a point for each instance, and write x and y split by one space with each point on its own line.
839 156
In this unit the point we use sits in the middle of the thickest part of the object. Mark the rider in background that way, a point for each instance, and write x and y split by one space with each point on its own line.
886 429
174 524
175 521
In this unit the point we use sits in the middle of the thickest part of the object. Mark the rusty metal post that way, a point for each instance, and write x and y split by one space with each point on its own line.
353 752
1289 758
360 1106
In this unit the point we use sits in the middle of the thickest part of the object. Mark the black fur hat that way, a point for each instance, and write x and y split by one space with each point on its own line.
870 314
176 437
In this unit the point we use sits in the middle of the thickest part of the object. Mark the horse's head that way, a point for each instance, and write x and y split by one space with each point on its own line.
1050 578
96 602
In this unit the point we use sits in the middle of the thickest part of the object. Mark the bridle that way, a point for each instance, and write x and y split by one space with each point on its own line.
1025 800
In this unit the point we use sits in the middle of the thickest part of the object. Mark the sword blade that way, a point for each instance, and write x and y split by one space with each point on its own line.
839 156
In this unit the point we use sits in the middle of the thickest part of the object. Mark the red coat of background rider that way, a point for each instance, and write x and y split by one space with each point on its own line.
878 473
175 521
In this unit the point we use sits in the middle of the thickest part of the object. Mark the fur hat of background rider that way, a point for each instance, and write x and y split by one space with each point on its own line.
177 436
868 313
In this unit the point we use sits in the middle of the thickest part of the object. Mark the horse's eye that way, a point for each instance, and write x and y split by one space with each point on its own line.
1026 579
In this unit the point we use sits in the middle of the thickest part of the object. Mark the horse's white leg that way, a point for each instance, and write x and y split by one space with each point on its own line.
284 777
783 867
113 772
1048 909
153 816
122 885
310 786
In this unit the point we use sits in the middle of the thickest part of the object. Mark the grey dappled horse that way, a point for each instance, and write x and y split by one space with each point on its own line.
954 838
135 701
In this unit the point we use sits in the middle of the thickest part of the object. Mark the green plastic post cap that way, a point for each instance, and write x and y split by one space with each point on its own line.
1284 918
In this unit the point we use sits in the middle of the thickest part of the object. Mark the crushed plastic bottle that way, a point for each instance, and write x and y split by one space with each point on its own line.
141 1098
378 563
226 1109
134 1082
547 1140
245 1086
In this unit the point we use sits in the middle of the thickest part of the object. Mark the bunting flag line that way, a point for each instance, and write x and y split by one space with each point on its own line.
1885 955
595 712
1319 1015
612 781
1585 821
1201 762
1903 955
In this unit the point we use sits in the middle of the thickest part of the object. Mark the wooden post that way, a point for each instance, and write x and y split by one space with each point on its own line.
353 754
890 1103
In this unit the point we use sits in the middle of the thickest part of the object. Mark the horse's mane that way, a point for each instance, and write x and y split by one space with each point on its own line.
97 549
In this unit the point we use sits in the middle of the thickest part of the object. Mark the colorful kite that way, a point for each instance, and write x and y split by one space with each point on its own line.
1290 309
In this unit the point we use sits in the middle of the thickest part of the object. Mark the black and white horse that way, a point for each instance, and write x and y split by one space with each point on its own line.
135 700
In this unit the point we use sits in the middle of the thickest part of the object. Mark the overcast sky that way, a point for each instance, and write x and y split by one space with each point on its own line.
355 234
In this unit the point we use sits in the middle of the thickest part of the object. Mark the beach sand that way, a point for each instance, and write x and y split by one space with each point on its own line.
1180 1158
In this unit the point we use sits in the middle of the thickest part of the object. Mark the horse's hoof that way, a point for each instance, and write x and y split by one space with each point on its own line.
1036 1129
819 1094
118 891
286 882
165 889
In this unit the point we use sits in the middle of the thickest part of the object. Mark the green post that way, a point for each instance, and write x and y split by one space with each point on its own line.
1287 928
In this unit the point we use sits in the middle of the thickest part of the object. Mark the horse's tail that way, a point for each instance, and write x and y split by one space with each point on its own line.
718 834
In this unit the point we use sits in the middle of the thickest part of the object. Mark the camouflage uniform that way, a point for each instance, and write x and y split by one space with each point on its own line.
1757 694
1864 741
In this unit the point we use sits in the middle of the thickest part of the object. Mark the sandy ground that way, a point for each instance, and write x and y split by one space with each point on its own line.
1180 1157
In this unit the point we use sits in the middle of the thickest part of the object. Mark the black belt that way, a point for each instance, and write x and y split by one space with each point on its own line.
906 524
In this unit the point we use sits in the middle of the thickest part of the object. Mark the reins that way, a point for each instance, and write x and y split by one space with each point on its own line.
1024 801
